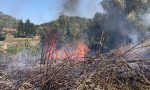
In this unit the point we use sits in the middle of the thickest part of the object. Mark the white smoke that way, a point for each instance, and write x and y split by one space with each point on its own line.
23 61
146 19
82 8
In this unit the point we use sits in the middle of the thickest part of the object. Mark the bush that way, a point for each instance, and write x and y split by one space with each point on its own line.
17 35
2 37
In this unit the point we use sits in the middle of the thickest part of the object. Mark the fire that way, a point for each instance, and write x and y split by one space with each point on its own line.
70 51
80 51
76 51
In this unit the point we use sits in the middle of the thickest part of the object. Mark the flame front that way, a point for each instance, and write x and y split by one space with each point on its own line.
76 52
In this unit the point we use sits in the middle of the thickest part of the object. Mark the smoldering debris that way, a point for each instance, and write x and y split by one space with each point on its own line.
94 72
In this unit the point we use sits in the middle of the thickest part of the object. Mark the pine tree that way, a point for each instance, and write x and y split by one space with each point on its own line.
20 29
27 28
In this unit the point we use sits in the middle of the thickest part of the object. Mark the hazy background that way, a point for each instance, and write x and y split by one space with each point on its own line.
41 11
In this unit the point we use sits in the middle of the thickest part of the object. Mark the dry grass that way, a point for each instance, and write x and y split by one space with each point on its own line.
10 40
95 73
110 71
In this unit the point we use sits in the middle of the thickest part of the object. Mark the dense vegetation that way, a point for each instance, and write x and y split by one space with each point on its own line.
26 29
70 28
121 22
122 19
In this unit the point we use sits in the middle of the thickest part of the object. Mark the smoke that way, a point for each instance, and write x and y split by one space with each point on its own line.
19 9
88 8
23 61
129 30
146 19
82 8
70 7
121 21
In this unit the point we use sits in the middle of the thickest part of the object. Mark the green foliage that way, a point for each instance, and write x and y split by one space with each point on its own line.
131 9
42 34
26 29
2 36
20 29
111 28
105 29
69 27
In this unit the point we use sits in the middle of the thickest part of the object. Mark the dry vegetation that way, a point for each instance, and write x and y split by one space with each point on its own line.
102 72
12 44
126 68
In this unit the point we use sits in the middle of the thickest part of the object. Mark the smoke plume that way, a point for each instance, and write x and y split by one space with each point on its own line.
70 7
124 19
82 8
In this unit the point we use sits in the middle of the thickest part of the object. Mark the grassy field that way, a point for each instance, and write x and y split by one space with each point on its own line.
13 45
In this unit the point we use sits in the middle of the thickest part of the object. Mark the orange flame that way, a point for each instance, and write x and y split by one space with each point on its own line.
76 52
80 51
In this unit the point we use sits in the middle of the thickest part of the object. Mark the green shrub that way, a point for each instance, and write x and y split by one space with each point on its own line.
2 36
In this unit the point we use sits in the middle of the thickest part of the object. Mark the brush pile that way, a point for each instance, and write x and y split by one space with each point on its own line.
113 71
95 74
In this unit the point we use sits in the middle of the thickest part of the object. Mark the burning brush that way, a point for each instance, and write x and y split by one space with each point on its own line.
76 50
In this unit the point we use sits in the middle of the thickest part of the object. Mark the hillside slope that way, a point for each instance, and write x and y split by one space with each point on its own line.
7 21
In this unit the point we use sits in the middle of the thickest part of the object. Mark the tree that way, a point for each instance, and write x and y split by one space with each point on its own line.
32 30
121 20
130 9
26 29
29 29
20 29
